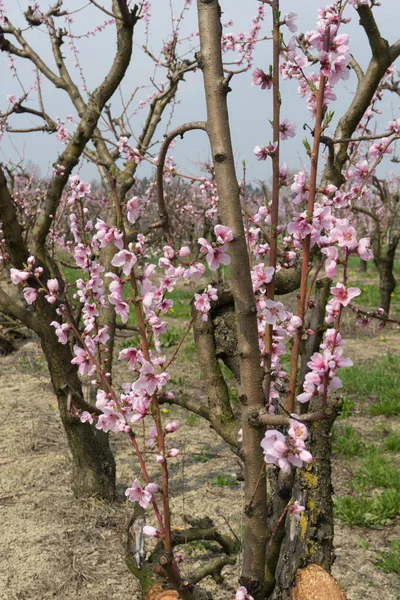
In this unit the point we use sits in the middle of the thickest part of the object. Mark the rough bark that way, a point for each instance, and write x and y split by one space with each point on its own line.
93 471
387 281
310 539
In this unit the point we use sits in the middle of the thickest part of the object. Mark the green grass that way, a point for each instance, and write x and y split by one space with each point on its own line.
392 443
347 441
377 471
373 510
347 408
379 380
224 480
192 419
389 561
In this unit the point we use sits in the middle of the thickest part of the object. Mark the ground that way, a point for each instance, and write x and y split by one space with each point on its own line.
55 546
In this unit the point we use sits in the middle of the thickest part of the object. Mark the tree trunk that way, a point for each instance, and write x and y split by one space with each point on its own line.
309 540
363 266
387 282
93 465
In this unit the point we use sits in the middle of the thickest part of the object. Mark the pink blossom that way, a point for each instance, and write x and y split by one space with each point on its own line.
215 255
151 531
30 294
364 249
171 427
126 260
85 416
61 331
82 359
381 147
299 187
262 79
130 355
241 594
132 209
332 254
262 152
18 276
296 509
141 495
173 452
297 430
261 276
184 252
273 312
148 381
289 20
287 129
343 295
224 234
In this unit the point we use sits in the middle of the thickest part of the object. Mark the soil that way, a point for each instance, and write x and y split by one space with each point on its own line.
55 546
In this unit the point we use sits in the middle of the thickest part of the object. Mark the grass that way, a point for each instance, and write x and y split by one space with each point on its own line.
389 561
368 510
224 480
347 441
379 380
392 443
377 471
347 408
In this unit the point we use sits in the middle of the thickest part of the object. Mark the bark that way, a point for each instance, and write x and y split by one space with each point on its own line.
93 467
216 89
363 266
387 281
310 539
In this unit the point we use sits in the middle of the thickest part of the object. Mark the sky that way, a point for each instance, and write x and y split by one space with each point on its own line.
250 107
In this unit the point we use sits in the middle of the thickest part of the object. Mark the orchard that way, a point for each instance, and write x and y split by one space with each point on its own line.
200 313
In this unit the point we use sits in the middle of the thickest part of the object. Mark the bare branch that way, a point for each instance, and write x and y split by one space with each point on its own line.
179 131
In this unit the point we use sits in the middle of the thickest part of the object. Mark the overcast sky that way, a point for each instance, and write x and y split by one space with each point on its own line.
250 107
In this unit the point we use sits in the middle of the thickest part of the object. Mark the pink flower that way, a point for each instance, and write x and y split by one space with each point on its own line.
141 495
148 381
82 359
85 416
364 250
126 260
296 509
224 234
52 286
130 355
345 235
202 304
287 129
184 252
297 430
262 152
61 331
132 209
381 147
289 20
332 254
173 452
18 276
260 276
299 187
262 79
273 312
343 295
30 294
241 594
171 427
151 531
215 255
